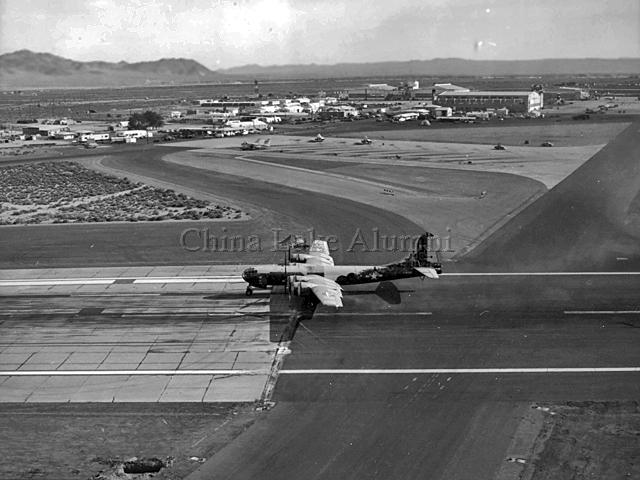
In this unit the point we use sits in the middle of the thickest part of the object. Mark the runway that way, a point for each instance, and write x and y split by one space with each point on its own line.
378 397
376 381
403 393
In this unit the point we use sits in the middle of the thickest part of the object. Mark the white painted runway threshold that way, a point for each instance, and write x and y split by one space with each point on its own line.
327 371
111 281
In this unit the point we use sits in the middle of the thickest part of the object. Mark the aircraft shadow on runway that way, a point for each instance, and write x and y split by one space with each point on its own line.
287 311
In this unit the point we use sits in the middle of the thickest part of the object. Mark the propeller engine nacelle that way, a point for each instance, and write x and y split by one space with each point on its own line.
299 258
297 285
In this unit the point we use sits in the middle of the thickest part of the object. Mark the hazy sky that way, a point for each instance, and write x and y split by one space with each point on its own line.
221 33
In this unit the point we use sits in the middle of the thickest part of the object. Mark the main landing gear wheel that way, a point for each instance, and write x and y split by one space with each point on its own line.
248 292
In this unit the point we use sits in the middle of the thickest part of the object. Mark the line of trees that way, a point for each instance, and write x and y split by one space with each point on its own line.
142 121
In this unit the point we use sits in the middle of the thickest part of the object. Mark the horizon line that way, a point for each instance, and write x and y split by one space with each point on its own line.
281 65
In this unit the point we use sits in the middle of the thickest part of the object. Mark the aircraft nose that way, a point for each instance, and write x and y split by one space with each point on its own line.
249 274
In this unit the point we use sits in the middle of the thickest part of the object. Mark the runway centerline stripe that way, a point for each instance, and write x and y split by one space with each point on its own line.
238 279
531 274
446 371
601 312
372 314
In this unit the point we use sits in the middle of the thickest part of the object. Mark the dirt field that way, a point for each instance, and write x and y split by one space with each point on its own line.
66 441
546 165
589 440
561 134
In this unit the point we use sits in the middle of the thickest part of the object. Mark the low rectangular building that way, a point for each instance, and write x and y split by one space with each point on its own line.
519 102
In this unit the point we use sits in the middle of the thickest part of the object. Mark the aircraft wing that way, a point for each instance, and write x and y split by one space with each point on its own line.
326 291
428 272
319 253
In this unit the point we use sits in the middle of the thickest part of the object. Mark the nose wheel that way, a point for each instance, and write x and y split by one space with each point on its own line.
248 292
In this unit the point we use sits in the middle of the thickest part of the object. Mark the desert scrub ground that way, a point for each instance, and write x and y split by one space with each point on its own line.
588 440
66 192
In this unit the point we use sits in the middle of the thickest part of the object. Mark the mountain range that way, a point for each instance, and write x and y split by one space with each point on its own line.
26 69
442 67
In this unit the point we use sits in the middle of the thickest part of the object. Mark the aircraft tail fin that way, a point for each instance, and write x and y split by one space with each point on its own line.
424 258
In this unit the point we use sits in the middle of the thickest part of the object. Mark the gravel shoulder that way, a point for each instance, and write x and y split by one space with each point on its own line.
588 440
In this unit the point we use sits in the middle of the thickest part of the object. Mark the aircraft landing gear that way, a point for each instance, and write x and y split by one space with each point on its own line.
248 292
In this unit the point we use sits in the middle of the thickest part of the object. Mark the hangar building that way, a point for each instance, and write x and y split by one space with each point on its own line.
519 102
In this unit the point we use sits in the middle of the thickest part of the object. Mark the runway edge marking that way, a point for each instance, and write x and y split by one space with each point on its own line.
601 312
344 371
63 373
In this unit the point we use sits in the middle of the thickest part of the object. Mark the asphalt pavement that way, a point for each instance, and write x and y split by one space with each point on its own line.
390 420
590 221
373 391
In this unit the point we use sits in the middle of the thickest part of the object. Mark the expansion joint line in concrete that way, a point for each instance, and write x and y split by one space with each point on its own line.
278 360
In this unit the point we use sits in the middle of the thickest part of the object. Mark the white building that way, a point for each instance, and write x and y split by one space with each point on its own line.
247 124
270 119
516 101
407 116
134 134
94 137
439 88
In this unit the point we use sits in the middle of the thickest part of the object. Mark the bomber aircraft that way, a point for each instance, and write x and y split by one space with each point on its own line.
255 145
364 141
310 271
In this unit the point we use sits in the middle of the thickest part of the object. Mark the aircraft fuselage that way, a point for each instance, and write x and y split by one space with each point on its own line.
264 276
